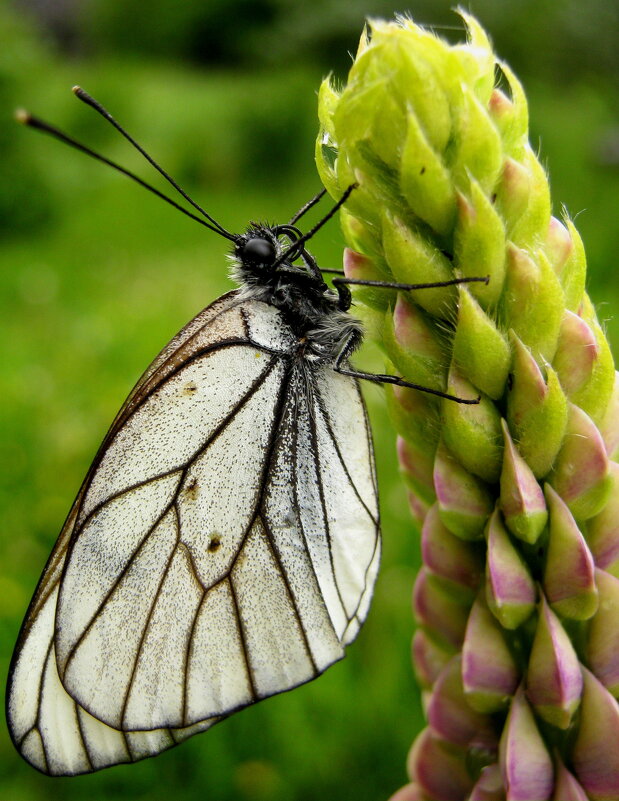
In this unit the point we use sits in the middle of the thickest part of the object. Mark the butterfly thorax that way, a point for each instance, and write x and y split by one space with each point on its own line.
266 270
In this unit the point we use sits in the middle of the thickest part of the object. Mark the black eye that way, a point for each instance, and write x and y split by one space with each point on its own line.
258 251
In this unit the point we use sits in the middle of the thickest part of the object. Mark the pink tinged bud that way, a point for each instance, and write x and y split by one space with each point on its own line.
602 651
521 500
510 591
581 472
451 717
513 119
472 432
536 410
533 301
532 225
464 501
489 673
603 529
356 265
416 467
525 762
415 416
595 755
576 353
567 787
410 792
438 768
458 563
437 609
489 786
419 508
429 657
412 344
609 427
569 582
595 395
476 150
554 680
558 245
362 237
513 192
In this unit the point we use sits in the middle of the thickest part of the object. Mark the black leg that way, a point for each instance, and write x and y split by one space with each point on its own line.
394 285
378 378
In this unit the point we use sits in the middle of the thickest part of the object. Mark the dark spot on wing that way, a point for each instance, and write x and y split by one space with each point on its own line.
192 489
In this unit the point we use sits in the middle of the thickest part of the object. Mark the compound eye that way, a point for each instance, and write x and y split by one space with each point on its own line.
258 251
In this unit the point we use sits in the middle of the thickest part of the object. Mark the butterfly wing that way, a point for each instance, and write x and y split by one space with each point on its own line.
212 557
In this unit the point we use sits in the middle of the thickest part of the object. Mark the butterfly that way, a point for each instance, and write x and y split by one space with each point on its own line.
225 542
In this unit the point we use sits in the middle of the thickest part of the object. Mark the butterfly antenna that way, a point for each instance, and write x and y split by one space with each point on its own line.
28 119
90 101
307 206
318 225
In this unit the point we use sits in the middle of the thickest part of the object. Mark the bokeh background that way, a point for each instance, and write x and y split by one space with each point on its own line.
97 275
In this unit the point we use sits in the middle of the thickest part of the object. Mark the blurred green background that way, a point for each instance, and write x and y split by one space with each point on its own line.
97 276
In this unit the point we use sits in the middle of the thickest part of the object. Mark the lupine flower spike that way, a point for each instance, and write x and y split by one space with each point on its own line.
517 602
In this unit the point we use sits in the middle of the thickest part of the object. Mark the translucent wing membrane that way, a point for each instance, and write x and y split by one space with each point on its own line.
223 548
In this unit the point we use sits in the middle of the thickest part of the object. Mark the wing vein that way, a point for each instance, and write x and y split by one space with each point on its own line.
327 422
145 630
293 602
323 505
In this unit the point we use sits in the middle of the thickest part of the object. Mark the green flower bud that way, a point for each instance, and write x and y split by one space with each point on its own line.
472 432
425 181
536 411
533 302
479 348
574 272
609 425
414 260
532 225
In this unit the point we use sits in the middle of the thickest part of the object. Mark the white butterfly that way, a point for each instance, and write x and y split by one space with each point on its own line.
225 542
